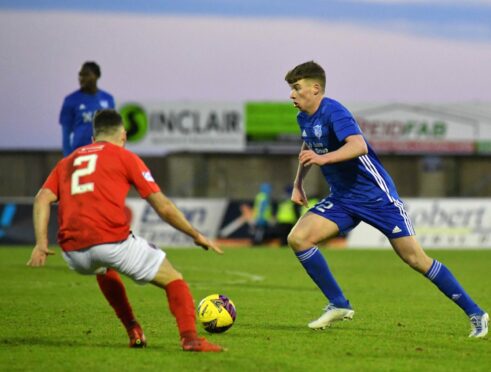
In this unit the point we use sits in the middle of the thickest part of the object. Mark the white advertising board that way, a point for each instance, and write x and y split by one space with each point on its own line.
439 223
405 128
204 214
158 128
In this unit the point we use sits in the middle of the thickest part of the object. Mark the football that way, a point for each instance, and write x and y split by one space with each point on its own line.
216 313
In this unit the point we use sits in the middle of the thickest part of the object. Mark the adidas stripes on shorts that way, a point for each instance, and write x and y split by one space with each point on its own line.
388 217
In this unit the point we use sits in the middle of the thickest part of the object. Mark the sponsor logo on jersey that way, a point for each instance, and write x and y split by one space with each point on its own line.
104 104
396 230
148 176
87 117
318 148
318 131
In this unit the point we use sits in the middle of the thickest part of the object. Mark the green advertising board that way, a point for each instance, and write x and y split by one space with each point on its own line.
270 120
483 147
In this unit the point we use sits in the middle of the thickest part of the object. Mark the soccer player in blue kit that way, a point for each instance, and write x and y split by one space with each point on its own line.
80 106
361 190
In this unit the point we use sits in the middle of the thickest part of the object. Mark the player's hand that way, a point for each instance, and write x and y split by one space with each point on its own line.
207 244
309 157
299 197
39 255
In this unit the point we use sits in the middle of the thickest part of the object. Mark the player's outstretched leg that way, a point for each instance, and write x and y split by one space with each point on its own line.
339 307
443 278
409 249
309 230
182 307
114 291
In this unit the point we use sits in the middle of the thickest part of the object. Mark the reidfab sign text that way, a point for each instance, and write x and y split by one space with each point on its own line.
403 128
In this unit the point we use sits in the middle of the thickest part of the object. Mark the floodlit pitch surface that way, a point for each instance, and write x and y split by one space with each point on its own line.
53 319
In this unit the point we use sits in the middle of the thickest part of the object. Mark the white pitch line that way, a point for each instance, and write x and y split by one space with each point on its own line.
243 277
248 276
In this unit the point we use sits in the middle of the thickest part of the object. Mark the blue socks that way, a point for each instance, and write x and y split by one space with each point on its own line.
448 284
316 266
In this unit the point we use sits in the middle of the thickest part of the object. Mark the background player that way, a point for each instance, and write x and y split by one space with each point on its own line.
262 215
361 190
80 106
91 185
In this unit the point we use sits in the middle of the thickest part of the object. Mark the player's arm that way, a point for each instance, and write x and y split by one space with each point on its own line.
41 213
67 123
66 133
168 211
298 193
353 147
112 102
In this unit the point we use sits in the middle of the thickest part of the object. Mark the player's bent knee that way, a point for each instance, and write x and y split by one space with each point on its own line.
291 240
166 274
296 241
410 260
417 262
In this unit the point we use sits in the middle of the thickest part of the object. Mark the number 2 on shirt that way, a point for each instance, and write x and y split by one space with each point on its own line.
77 187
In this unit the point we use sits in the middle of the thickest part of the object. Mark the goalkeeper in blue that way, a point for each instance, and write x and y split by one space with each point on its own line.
360 190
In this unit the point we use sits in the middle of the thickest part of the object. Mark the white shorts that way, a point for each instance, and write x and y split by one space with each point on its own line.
134 257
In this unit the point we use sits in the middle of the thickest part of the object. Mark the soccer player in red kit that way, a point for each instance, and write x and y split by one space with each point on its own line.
91 186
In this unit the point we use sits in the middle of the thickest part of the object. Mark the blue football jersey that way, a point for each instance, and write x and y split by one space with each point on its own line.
77 113
363 179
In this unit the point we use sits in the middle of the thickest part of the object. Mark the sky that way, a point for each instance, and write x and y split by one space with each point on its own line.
435 51
464 19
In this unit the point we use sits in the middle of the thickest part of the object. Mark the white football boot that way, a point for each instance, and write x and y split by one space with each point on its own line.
332 314
479 325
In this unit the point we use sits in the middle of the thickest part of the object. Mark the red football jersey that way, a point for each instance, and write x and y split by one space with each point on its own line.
91 185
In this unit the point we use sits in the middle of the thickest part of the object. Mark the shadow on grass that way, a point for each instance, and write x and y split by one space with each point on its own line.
48 267
64 343
252 286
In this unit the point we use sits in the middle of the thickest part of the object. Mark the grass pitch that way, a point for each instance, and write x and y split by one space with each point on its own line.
52 319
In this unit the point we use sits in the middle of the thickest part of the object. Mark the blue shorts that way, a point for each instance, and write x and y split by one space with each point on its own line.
390 218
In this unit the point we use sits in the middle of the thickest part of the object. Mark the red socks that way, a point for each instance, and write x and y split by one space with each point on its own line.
113 289
181 302
181 305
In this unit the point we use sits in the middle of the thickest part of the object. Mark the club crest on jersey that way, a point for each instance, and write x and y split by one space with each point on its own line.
148 176
304 134
318 131
81 107
104 104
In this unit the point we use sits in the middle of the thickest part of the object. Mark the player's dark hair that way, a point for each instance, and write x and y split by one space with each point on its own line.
94 67
307 70
106 122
